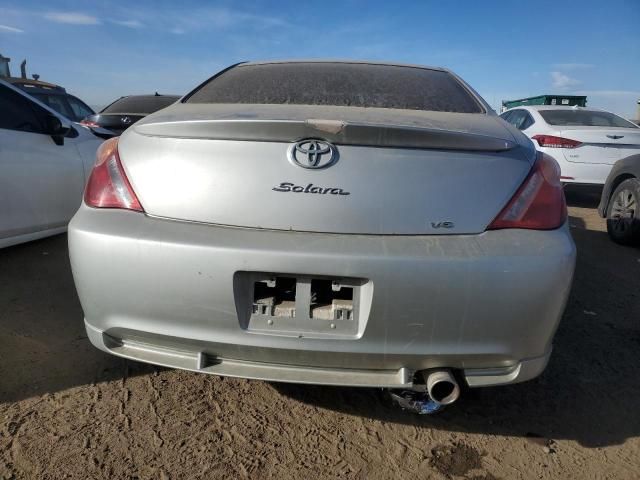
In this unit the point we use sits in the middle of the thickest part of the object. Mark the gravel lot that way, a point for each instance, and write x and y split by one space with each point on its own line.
70 411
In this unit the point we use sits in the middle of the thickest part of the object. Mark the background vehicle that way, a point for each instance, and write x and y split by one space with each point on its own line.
55 97
344 223
586 142
124 112
568 100
43 160
620 202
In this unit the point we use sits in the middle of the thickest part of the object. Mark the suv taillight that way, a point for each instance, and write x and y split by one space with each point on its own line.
539 203
108 186
555 142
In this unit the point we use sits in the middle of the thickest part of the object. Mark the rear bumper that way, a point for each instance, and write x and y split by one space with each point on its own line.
199 361
163 292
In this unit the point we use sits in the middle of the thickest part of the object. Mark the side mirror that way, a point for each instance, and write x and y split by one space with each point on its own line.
56 129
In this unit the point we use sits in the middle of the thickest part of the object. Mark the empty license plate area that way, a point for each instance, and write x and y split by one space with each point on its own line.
302 305
331 300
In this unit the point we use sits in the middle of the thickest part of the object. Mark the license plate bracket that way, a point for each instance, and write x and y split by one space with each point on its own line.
301 305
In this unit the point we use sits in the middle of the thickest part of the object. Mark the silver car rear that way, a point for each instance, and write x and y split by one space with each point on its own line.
323 222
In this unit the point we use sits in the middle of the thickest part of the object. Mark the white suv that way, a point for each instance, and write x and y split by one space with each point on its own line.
586 142
44 161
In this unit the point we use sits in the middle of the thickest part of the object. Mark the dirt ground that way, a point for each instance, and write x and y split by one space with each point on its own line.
69 411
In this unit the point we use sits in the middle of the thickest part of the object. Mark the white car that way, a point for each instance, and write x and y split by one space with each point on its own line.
586 142
44 162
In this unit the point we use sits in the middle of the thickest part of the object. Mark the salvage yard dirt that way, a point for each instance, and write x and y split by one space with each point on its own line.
69 411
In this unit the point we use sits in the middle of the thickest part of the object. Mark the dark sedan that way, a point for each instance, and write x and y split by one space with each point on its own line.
126 111
620 199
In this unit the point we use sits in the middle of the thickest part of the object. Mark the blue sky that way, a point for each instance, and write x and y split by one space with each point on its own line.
100 50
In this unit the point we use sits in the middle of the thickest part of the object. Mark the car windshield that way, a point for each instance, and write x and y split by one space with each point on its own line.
584 118
339 84
143 104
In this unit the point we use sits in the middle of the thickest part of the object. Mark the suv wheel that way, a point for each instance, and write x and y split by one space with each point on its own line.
623 214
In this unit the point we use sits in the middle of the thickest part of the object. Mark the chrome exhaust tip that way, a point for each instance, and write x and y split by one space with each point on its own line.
442 386
440 389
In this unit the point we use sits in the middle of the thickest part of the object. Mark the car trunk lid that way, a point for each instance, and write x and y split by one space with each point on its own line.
419 173
601 145
117 122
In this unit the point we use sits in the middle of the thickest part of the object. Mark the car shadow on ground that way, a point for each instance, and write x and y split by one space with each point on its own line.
43 344
583 196
588 393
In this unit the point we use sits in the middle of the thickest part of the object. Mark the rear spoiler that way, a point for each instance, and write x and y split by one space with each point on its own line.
338 132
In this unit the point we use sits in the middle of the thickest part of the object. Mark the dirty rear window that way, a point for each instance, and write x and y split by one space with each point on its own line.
584 118
141 104
339 84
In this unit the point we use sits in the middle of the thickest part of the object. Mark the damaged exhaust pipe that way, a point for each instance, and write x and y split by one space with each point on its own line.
442 389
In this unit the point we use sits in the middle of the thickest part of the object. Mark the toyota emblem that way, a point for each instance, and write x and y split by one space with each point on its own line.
312 153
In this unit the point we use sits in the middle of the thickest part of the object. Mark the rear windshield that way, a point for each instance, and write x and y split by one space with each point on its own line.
339 84
58 103
584 118
141 104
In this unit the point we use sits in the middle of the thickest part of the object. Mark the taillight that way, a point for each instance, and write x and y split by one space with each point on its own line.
555 142
108 186
539 203
89 123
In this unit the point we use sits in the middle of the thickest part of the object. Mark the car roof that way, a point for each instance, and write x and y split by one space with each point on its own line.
149 95
128 97
554 107
36 84
341 61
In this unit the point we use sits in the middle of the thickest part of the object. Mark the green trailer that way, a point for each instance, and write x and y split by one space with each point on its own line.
565 100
